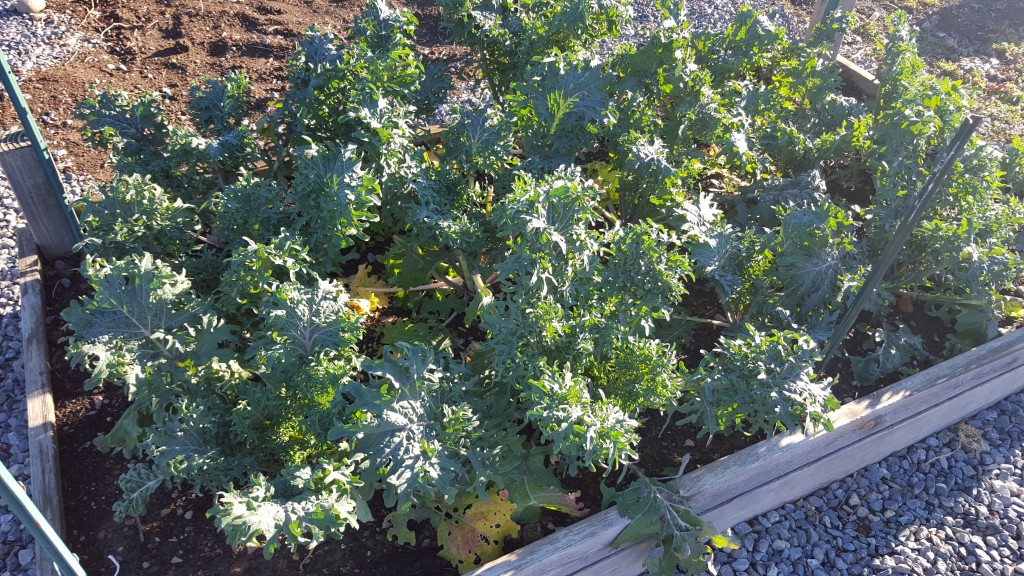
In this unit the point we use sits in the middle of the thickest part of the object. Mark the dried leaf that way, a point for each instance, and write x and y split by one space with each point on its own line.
473 531
358 289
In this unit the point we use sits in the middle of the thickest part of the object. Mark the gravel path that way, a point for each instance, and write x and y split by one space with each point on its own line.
15 550
951 504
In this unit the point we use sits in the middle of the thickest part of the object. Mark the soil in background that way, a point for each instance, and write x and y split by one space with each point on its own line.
165 46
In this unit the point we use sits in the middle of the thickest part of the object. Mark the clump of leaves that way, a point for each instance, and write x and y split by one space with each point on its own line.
759 382
323 304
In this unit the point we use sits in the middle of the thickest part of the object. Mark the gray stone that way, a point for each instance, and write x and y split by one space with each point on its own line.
25 556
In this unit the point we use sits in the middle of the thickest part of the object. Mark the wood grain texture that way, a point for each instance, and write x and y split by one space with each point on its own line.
819 13
792 465
44 212
42 433
860 78
816 15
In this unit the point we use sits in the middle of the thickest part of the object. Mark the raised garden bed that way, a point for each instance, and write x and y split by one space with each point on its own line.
300 372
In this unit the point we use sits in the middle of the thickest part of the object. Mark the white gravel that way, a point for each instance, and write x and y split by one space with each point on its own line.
950 504
36 43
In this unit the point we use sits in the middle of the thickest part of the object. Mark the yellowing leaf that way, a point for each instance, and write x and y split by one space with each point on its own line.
724 542
474 531
360 306
358 290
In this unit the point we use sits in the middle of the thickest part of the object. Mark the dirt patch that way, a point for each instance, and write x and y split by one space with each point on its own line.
165 46
979 44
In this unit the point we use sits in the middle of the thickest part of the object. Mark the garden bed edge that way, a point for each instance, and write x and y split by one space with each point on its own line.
791 465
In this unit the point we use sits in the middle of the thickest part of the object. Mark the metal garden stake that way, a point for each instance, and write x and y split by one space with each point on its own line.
14 496
924 198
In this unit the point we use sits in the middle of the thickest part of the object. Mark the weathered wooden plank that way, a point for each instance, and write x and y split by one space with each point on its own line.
567 551
42 433
860 78
43 208
820 8
791 465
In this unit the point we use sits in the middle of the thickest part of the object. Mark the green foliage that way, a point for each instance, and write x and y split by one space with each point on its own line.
759 382
658 510
416 424
334 201
545 258
312 504
135 215
507 36
193 165
1013 167
220 106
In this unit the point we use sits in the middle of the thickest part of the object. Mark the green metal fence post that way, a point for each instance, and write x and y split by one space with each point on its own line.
39 187
922 201
14 496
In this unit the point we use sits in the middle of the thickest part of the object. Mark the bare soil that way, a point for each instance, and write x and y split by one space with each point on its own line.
167 45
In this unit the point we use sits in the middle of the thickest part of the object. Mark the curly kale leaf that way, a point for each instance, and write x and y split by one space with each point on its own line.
334 200
507 39
416 425
137 485
658 510
309 322
559 109
758 382
302 505
284 418
131 127
586 429
895 346
219 106
255 270
252 208
135 319
132 215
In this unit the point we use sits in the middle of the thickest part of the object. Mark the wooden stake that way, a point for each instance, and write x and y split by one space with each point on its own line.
824 9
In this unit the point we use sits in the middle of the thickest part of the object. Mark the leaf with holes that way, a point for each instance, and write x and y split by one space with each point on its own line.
473 531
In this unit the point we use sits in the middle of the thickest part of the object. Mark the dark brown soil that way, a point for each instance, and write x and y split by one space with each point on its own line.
173 43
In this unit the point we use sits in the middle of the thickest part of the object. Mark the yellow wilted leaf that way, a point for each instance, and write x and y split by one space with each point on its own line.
360 306
358 285
473 532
